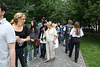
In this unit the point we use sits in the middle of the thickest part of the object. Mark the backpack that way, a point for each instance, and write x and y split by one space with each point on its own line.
68 29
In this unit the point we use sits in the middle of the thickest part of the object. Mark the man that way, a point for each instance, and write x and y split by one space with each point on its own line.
7 40
67 30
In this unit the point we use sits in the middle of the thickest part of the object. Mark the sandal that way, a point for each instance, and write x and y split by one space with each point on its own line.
46 61
53 59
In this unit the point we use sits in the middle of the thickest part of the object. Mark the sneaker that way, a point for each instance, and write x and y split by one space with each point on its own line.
35 58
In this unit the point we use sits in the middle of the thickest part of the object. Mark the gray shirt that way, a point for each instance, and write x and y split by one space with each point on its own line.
69 27
7 35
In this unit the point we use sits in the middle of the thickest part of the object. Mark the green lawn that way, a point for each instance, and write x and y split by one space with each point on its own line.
91 50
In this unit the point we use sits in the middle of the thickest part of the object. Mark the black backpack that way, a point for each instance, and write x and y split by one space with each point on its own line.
68 29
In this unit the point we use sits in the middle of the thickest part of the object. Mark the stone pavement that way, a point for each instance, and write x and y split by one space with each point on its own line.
62 60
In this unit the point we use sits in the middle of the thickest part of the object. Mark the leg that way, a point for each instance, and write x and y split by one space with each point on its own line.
47 50
16 57
21 57
30 52
71 50
35 51
26 54
52 49
41 47
77 45
66 44
44 49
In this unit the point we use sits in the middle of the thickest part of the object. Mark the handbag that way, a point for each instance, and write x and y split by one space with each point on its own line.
69 40
37 43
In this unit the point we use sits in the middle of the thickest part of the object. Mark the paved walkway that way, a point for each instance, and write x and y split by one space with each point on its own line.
62 60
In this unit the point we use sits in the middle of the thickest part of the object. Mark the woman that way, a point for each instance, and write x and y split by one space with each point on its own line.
51 35
76 34
33 31
22 36
42 38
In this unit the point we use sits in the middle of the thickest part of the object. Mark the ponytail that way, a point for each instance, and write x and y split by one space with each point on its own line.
12 21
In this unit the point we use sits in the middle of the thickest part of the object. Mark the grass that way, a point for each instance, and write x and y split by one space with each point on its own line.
91 50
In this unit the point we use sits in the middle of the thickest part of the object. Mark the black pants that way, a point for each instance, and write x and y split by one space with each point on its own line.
19 54
76 42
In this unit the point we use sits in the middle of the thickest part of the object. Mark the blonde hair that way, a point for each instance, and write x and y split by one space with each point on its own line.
49 23
53 25
15 19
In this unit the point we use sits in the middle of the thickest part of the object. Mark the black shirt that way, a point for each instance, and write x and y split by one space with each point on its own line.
23 34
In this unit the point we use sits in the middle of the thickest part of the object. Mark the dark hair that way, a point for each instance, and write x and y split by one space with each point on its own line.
3 6
77 27
34 26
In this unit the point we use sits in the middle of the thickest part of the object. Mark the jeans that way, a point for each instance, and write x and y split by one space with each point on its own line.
25 55
66 44
30 50
20 55
35 50
59 38
43 49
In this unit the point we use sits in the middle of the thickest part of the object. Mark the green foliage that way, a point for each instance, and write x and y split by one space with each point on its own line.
56 10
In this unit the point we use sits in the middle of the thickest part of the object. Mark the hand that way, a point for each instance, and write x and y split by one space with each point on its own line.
43 29
54 42
32 40
17 38
23 40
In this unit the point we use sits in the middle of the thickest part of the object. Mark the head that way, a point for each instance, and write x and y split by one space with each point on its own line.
3 9
49 24
58 24
32 23
53 25
70 22
43 19
44 23
34 26
19 19
77 27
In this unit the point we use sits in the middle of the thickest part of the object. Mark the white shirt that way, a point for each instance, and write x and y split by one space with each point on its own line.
7 35
73 33
44 41
50 33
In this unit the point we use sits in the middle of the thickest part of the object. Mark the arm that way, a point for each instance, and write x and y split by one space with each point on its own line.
12 54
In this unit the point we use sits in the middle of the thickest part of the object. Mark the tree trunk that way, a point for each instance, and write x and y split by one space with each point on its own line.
89 27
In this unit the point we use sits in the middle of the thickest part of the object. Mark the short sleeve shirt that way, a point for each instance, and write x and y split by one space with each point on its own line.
7 35
50 34
73 33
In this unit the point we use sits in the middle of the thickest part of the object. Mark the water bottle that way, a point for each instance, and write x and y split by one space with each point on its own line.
54 46
20 44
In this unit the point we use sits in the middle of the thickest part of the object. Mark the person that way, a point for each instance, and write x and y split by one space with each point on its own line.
63 34
42 38
22 36
33 31
59 32
76 34
7 40
67 30
51 35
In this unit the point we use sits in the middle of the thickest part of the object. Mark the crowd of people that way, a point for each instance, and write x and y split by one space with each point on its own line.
15 36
